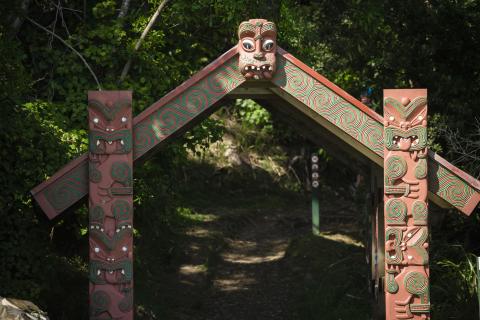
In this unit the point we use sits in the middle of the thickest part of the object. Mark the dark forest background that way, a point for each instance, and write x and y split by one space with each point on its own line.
359 45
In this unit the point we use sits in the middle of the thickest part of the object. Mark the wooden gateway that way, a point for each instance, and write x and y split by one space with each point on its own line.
258 69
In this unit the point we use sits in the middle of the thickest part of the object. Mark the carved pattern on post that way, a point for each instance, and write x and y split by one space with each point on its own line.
406 207
111 204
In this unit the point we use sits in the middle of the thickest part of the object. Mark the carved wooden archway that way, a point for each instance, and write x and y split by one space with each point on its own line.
260 70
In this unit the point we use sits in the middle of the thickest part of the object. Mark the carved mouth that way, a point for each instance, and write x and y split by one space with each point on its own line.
110 146
405 142
116 142
263 71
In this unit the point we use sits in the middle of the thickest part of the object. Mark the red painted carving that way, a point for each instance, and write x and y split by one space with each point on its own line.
257 47
111 204
406 206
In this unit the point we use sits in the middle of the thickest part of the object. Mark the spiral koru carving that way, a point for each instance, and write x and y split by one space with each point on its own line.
68 190
420 213
330 105
416 283
421 169
121 210
144 139
396 211
97 215
448 186
122 173
396 167
176 113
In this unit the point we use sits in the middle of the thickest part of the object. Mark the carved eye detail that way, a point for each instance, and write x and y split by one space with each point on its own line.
95 120
248 44
124 119
268 45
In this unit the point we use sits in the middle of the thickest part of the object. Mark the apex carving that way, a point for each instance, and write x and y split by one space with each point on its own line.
257 46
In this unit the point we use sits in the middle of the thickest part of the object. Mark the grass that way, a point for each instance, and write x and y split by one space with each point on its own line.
333 282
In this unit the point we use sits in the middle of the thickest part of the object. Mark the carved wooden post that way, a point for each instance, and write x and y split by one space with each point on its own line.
406 207
111 204
315 195
478 284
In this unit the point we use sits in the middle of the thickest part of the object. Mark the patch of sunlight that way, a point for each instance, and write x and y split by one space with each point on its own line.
343 238
191 269
247 252
192 215
199 233
216 154
251 259
235 282
272 166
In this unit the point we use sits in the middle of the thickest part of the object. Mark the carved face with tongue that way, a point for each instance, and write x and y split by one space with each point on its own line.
257 47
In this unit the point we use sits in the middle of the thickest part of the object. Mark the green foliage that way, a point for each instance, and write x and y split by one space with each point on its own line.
454 247
43 85
253 114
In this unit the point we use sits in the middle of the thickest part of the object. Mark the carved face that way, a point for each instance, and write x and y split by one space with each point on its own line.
109 125
405 124
257 47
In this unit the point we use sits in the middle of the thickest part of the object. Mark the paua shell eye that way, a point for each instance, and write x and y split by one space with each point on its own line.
248 44
268 45
95 120
124 119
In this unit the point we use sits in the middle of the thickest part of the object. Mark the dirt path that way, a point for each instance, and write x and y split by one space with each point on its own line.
256 260
253 264
249 281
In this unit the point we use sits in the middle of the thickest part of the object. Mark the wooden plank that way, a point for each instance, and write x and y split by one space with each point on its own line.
318 135
361 127
161 121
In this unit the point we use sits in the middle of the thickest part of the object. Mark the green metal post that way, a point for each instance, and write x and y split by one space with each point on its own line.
315 212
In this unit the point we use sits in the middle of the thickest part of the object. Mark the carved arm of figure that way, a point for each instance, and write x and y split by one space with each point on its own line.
408 189
403 308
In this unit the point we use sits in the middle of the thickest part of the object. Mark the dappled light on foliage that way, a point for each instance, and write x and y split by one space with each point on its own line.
223 212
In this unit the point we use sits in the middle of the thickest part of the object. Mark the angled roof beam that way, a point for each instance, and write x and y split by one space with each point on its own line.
294 82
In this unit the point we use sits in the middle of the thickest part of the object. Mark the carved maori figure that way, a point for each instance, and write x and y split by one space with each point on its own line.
111 205
257 47
406 207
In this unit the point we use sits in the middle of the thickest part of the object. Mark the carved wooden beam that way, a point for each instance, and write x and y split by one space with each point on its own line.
162 121
300 86
406 205
110 160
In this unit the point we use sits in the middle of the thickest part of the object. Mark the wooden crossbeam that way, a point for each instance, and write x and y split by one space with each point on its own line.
302 87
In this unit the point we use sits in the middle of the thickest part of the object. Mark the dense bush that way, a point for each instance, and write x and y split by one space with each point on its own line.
43 83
